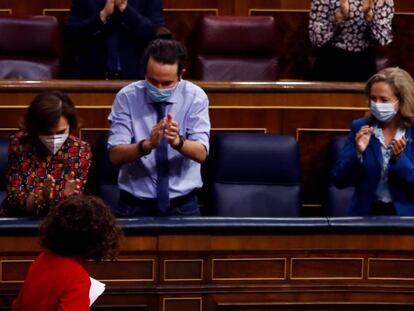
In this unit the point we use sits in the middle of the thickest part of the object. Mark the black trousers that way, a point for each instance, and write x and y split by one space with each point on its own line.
334 64
382 209
131 206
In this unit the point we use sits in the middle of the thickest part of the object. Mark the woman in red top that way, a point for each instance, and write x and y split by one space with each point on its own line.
78 229
46 164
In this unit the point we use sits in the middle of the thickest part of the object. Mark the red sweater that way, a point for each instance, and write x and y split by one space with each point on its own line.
54 283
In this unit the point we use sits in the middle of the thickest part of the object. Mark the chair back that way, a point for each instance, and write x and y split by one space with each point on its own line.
30 47
255 175
106 175
338 201
236 48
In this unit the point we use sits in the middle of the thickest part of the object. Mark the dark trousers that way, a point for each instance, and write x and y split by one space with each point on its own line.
334 64
131 206
382 209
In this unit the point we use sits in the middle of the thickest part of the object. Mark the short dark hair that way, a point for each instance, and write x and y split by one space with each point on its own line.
166 52
46 110
81 226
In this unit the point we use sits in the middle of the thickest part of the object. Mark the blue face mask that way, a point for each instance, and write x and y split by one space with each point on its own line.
383 112
159 95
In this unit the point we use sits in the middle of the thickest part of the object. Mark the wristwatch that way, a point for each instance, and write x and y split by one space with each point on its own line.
180 143
141 149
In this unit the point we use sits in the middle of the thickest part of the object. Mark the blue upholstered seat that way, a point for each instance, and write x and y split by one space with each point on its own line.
338 201
106 175
255 175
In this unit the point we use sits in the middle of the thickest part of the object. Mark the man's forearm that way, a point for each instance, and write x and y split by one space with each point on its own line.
123 154
194 150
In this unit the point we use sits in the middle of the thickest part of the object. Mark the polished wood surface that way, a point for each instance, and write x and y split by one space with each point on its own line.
212 271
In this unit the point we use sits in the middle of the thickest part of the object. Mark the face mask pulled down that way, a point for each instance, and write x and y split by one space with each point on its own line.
53 142
159 95
383 112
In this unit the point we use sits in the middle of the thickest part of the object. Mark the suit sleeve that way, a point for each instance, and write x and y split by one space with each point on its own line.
81 23
403 168
348 166
144 24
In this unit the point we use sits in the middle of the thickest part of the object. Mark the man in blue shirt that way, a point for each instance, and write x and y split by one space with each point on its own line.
111 36
160 134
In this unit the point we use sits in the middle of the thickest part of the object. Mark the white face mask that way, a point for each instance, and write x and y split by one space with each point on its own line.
53 142
383 112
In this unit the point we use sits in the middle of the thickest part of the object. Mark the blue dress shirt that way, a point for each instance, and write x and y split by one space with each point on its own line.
132 119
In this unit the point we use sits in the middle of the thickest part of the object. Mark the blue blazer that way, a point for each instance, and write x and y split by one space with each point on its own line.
365 175
136 26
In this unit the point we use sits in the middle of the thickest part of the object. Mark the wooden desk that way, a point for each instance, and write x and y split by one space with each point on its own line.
270 264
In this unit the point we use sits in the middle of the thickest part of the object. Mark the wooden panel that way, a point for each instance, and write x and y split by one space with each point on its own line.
243 7
326 271
313 144
248 269
183 269
391 269
136 270
14 270
60 14
180 304
313 306
403 57
326 268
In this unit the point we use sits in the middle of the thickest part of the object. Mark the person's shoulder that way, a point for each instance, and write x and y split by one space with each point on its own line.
133 88
357 123
19 135
63 263
189 87
20 138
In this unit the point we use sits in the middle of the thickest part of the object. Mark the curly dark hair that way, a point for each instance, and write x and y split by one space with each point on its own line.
81 226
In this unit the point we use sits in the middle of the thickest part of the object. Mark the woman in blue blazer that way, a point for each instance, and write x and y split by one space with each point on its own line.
378 156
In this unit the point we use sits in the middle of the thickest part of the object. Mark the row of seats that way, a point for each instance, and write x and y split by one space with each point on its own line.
31 48
246 175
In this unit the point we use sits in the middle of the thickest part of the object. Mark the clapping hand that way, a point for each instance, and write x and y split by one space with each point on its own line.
107 11
362 138
398 147
121 4
72 185
343 11
48 187
367 9
157 133
172 131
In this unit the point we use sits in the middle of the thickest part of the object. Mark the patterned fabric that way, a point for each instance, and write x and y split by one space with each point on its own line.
354 34
27 168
